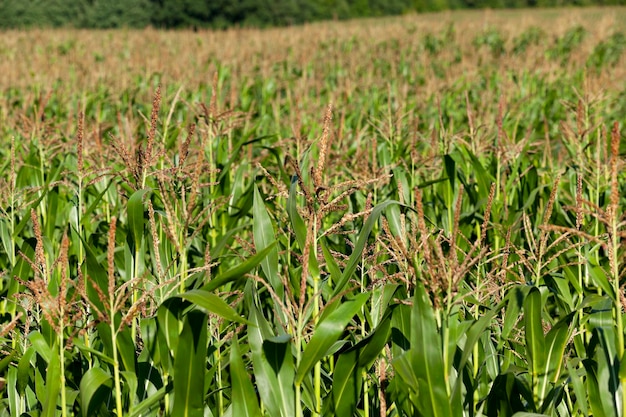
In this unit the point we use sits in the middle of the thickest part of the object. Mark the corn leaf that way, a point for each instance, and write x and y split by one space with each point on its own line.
95 388
190 367
244 398
327 332
426 358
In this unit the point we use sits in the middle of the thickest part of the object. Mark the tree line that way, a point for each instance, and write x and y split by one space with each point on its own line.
172 14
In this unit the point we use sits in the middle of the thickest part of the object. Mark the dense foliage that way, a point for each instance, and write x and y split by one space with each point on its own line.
404 218
225 13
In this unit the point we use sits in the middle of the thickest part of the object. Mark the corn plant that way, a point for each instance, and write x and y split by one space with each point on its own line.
346 219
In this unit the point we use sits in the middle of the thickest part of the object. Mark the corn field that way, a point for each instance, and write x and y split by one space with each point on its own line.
412 216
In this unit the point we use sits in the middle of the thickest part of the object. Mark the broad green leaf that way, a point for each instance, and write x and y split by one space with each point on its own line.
50 177
80 344
331 262
596 393
239 271
126 349
12 392
7 240
516 297
327 332
535 339
426 358
10 357
263 232
168 329
213 304
275 389
153 401
393 216
600 278
95 275
556 341
347 382
578 386
86 217
297 223
190 367
483 178
23 370
131 383
53 386
94 385
401 329
404 368
359 246
450 167
135 209
41 346
380 303
244 398
473 335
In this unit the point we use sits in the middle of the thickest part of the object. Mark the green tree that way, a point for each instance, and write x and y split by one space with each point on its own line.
104 14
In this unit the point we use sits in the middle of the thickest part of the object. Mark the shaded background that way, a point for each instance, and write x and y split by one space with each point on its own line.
225 13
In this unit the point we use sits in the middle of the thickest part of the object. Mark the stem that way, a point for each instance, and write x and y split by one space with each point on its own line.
116 369
62 359
618 305
298 387
366 399
220 396
298 400
317 371
135 292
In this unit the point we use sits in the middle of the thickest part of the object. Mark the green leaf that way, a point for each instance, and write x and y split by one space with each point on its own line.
190 367
450 166
94 387
83 348
327 333
126 349
41 346
144 407
578 387
474 334
297 223
87 215
53 387
331 263
556 341
347 384
516 297
598 402
7 240
44 190
347 377
213 304
244 398
95 275
168 329
427 358
264 237
11 392
359 246
275 389
535 339
394 218
135 211
23 370
239 271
